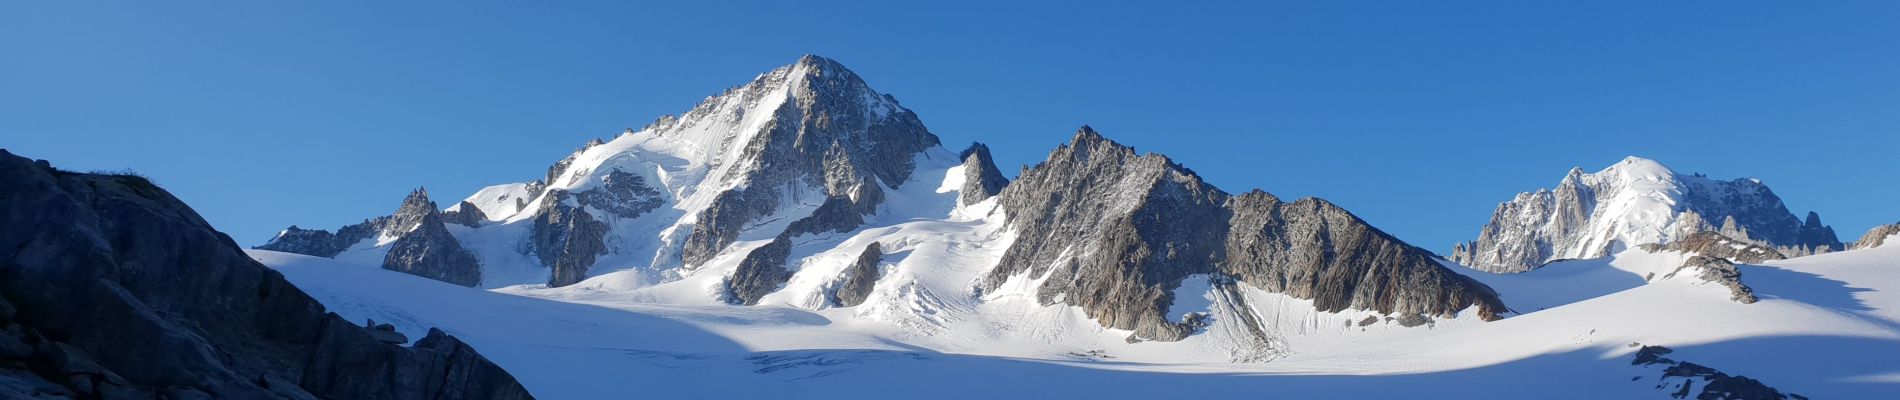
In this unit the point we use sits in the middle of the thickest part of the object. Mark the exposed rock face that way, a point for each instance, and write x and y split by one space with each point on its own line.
1634 202
1719 271
465 214
1681 377
622 194
1115 232
321 243
1312 249
860 277
567 238
1714 244
981 179
683 189
827 136
760 273
1877 236
426 248
112 288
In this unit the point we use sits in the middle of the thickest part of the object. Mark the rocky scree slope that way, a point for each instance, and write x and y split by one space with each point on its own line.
1115 232
110 287
1635 202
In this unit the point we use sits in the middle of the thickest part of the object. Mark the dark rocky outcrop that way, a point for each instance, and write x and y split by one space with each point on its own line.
1115 232
981 179
860 277
1680 377
321 243
1312 249
465 214
1877 236
621 194
1719 271
110 287
760 273
426 248
834 134
1715 244
567 239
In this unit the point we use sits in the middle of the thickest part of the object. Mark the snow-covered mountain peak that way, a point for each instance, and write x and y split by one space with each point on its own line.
681 190
1635 201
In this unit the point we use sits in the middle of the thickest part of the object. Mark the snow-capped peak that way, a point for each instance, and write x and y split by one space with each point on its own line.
1635 201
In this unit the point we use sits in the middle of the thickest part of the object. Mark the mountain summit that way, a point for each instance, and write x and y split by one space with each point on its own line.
1636 201
681 190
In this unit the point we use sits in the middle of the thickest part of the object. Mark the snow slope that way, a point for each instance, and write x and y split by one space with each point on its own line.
1827 326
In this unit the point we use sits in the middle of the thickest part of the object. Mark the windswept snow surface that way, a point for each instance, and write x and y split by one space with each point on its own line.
1827 326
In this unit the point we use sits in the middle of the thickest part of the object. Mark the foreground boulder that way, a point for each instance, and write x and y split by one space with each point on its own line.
112 288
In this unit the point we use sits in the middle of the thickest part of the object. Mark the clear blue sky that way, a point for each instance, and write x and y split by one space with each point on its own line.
1418 116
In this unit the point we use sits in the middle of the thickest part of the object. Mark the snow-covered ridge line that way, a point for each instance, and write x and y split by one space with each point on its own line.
1636 201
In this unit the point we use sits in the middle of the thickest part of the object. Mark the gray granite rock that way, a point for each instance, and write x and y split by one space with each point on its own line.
465 214
1312 249
622 195
760 273
567 239
829 138
108 276
1877 236
321 243
1680 377
1719 271
425 248
860 277
1116 232
1715 244
981 179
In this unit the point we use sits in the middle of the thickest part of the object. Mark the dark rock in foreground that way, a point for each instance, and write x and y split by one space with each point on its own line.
112 288
1681 377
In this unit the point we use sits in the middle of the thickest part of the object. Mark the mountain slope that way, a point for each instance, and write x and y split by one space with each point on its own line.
672 196
1824 328
110 287
1114 232
1635 202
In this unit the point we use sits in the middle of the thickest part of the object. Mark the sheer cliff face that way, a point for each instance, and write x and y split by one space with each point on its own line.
106 276
1114 232
1635 202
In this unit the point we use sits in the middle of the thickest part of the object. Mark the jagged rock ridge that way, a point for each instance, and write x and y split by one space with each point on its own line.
1634 202
113 288
1681 378
681 190
424 247
1715 244
981 179
1114 232
1877 236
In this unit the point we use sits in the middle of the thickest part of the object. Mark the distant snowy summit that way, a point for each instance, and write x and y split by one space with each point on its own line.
1637 201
